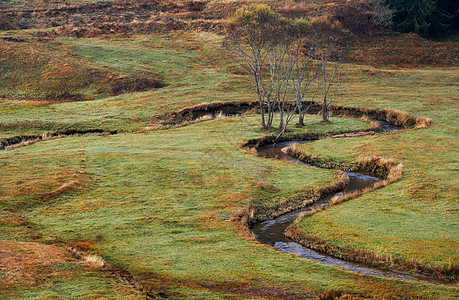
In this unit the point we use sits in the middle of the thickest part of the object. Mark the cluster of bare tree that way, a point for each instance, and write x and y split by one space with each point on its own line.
292 61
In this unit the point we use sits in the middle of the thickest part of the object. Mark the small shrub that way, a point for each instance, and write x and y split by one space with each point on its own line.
293 10
356 18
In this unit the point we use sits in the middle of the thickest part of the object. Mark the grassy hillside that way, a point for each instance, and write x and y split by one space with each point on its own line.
188 63
157 205
48 70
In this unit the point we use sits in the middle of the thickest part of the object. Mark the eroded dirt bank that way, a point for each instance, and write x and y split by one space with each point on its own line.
24 140
392 117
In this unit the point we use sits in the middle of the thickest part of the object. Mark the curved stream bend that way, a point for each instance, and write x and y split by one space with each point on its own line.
271 232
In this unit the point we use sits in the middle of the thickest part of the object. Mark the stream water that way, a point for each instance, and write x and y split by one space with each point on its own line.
271 232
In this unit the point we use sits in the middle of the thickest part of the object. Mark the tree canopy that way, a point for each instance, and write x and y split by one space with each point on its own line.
425 17
288 60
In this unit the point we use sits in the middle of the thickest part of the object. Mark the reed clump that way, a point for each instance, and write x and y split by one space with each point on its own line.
405 120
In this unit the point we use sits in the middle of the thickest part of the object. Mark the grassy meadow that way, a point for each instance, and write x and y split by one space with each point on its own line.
416 217
188 63
158 203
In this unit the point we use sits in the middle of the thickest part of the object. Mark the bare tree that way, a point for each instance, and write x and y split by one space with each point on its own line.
253 36
283 88
303 71
279 72
382 15
285 57
328 37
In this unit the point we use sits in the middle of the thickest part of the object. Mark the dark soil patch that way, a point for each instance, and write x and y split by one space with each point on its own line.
123 85
14 40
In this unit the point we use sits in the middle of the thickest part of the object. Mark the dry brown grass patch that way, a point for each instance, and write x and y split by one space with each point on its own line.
71 182
335 295
83 246
26 263
294 10
40 181
258 185
232 198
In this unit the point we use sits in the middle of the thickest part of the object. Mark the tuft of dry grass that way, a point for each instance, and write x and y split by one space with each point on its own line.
94 261
67 186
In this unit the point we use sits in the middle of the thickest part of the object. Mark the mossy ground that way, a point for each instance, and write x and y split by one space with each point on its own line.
158 203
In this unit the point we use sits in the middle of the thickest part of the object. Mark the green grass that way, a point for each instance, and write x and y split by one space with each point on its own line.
414 218
160 198
81 284
47 70
159 203
193 77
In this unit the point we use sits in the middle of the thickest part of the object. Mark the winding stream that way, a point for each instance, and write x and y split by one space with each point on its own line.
271 232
